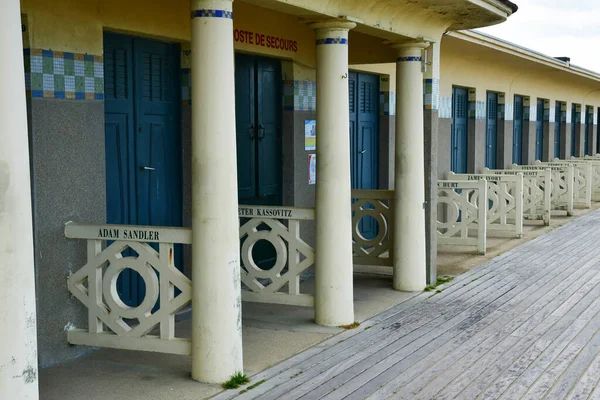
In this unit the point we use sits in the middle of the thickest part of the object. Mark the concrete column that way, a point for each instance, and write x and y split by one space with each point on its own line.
216 298
409 202
18 341
431 142
334 302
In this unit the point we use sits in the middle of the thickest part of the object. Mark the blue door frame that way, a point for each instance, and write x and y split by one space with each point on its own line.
557 128
459 137
143 141
364 138
539 130
517 156
491 128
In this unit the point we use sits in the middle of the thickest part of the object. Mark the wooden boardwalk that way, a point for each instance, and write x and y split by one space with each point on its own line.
524 325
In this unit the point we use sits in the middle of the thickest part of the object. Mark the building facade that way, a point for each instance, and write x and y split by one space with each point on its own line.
174 113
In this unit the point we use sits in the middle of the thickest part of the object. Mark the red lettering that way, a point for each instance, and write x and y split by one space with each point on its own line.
260 39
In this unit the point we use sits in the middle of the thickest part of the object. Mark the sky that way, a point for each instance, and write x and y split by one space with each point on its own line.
558 28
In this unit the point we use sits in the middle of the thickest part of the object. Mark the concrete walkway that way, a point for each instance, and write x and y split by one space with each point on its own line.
525 324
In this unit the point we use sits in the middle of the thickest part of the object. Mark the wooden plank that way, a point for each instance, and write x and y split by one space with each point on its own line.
526 275
433 372
361 364
456 287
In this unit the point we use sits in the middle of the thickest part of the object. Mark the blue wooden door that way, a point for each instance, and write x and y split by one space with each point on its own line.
459 139
589 124
539 130
574 126
258 129
557 128
142 139
258 134
491 127
363 90
517 157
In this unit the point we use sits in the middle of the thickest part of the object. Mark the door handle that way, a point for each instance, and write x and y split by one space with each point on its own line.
363 151
252 131
261 132
144 168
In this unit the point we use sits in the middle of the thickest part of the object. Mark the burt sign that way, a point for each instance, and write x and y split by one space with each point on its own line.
260 39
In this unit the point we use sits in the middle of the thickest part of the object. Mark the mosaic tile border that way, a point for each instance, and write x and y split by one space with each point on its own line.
533 113
208 13
387 103
299 95
337 40
63 75
186 86
431 94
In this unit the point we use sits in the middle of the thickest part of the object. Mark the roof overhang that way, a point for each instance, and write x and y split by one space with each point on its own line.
523 53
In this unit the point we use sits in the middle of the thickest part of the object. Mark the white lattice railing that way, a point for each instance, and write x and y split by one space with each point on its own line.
563 185
112 323
375 204
505 202
280 226
149 251
536 192
582 180
462 207
595 161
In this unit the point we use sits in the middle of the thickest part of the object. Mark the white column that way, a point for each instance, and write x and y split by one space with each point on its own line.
18 342
409 202
334 303
216 298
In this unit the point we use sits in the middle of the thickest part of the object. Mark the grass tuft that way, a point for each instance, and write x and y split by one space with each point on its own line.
238 379
441 279
353 325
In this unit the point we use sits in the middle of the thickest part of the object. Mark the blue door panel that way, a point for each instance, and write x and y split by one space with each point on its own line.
491 138
517 157
245 126
539 130
459 140
364 138
589 124
117 171
574 126
268 131
143 141
557 129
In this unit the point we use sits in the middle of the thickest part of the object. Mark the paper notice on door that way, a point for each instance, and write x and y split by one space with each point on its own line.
312 169
310 134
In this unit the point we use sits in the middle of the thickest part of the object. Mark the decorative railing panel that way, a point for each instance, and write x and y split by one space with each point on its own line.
582 180
505 202
536 192
112 323
563 183
376 204
462 220
595 162
280 226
